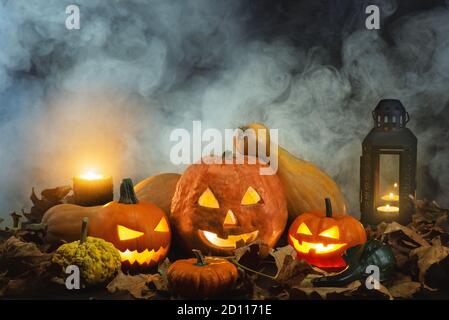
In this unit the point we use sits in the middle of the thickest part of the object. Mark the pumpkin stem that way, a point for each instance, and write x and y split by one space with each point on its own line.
328 207
84 230
200 261
127 194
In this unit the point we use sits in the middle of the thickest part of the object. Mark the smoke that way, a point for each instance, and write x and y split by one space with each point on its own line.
109 94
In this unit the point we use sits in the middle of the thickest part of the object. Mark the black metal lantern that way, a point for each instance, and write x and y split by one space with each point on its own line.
388 166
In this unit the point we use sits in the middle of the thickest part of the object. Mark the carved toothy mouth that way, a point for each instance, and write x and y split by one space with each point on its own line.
230 242
144 257
319 248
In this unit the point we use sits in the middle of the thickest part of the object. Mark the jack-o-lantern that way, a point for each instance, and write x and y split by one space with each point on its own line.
138 229
322 240
219 206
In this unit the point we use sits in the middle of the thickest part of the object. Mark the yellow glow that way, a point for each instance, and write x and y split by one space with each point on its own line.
303 229
208 200
390 197
319 248
388 209
230 219
144 257
395 185
162 226
231 241
91 175
332 233
250 197
125 233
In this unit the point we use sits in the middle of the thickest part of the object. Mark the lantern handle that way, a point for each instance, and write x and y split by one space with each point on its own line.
407 118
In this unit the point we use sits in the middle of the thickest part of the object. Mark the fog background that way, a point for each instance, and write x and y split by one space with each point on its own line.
108 95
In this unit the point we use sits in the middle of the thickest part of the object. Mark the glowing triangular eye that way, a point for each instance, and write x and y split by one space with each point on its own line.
303 229
332 233
208 200
125 233
162 226
250 197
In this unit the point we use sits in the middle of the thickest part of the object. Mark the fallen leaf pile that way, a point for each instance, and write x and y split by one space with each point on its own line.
49 198
23 267
421 250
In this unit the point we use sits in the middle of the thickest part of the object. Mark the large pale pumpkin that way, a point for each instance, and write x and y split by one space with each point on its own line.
305 184
218 207
158 189
63 222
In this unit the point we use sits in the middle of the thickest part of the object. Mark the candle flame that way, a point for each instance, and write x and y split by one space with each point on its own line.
395 185
91 175
390 197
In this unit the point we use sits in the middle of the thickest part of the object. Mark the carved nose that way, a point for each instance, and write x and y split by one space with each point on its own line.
230 219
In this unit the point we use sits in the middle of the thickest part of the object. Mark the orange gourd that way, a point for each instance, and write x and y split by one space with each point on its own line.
201 277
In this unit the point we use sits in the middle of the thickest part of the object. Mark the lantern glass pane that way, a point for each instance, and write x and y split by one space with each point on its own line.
388 185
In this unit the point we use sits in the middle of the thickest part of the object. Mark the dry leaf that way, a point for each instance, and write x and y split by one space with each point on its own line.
280 254
404 289
56 194
411 235
428 256
294 271
253 249
362 292
15 248
162 284
50 198
25 267
306 287
136 285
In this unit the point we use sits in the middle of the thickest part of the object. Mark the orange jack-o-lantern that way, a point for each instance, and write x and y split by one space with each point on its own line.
218 206
321 241
138 229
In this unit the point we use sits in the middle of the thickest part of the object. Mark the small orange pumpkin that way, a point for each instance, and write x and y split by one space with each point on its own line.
201 277
138 229
321 241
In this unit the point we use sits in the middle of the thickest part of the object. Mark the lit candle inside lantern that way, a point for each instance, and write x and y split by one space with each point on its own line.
390 197
92 189
388 209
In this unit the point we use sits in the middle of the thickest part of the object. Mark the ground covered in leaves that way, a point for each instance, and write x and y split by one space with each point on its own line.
421 250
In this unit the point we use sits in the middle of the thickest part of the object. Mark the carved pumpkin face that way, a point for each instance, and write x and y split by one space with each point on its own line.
140 231
219 207
321 240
